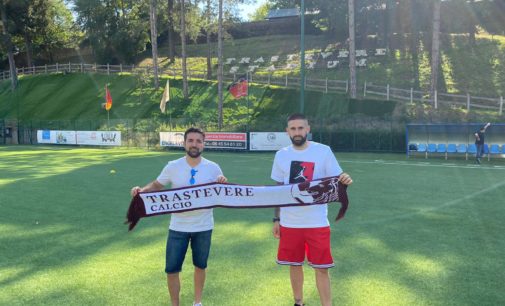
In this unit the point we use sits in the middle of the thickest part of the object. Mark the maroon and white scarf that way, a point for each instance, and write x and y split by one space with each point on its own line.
321 191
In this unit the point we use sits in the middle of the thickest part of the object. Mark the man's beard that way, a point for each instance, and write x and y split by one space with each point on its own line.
298 141
194 152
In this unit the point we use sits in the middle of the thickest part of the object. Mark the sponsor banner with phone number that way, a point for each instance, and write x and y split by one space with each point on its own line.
213 140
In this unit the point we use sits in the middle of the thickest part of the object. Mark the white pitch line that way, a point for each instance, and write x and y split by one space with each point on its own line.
443 205
424 164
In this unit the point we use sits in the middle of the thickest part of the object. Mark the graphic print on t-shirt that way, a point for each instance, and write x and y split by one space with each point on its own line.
301 171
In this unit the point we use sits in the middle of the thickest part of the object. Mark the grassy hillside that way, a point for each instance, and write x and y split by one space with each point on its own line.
477 69
77 96
80 97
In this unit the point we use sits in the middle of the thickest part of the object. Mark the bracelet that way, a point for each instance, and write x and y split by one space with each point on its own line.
276 219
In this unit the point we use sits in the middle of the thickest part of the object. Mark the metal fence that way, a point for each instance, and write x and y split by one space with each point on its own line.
263 76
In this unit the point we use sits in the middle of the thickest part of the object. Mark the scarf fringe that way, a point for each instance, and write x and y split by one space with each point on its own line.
344 201
136 210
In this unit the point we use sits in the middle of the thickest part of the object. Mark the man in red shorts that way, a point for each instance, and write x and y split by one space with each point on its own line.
304 231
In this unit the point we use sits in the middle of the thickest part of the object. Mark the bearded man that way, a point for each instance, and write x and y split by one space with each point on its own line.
192 227
304 231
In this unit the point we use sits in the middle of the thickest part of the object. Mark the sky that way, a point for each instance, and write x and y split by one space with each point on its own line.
246 9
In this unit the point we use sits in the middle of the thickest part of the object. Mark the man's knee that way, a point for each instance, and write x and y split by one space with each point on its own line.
173 276
321 272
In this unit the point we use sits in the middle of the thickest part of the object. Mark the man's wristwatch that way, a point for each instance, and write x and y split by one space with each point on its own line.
276 219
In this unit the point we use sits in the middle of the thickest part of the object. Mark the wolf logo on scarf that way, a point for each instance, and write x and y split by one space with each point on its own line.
316 192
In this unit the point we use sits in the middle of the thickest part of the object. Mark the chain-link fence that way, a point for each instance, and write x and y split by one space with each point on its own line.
344 133
2 132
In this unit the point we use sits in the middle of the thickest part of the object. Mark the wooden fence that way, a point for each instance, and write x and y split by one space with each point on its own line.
385 92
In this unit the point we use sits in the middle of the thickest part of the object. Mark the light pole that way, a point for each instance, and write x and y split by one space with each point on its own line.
302 56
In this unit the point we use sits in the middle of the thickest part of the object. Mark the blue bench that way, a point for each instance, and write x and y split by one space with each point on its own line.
494 149
452 148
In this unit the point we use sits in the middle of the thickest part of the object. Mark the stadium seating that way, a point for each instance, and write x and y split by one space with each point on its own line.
442 149
459 135
412 147
448 149
493 149
432 148
472 148
461 148
421 148
451 149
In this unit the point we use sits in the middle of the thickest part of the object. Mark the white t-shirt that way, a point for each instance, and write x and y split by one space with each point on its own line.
296 166
178 172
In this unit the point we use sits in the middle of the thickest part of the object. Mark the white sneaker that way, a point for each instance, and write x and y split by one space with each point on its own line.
197 304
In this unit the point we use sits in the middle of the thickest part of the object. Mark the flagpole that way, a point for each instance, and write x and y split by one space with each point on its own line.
247 97
108 105
170 114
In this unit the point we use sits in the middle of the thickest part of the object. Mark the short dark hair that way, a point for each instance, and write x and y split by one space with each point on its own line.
296 116
193 130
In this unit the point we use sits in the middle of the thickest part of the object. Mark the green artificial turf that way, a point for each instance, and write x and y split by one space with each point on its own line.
417 232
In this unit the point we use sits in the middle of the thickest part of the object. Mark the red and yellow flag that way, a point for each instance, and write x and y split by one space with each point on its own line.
108 99
239 88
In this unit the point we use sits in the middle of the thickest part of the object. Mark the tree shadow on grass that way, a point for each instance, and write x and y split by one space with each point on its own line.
61 219
433 244
63 208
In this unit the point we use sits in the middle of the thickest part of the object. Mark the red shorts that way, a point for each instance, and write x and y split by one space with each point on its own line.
295 243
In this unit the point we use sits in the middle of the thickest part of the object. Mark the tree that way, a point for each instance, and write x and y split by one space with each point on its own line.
154 41
331 13
352 51
261 12
220 64
171 31
471 21
435 47
387 24
38 27
116 30
31 20
414 41
208 31
185 90
7 43
57 30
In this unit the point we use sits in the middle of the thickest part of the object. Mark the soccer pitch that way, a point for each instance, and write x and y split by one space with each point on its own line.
417 232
